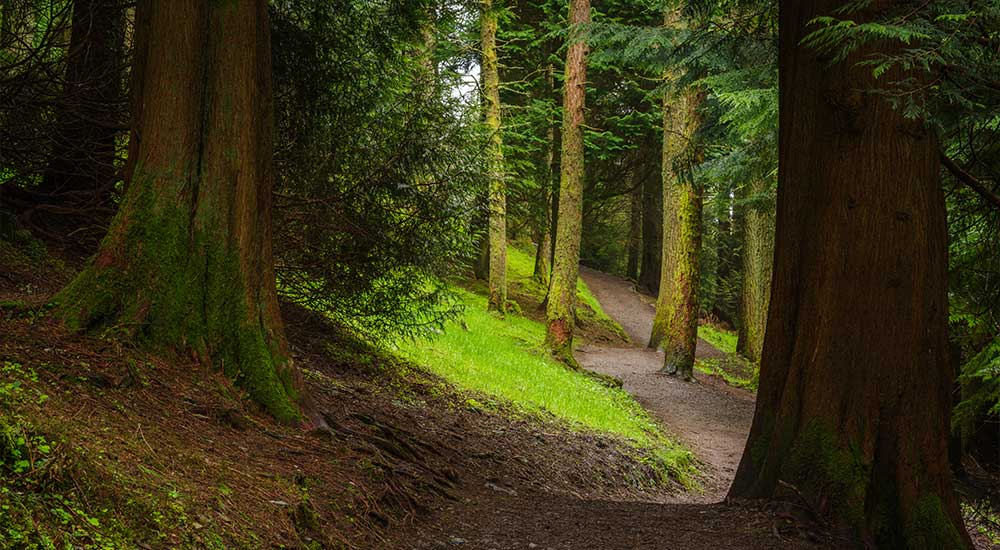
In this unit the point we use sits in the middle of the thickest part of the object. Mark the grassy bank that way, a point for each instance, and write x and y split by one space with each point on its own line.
504 358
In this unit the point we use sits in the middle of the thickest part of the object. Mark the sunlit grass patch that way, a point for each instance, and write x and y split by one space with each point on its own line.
722 340
504 357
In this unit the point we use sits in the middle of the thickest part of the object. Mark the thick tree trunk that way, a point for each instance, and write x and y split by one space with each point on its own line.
82 169
854 402
497 186
757 260
187 264
634 229
561 306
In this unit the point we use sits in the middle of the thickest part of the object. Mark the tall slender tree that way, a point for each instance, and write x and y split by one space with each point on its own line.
675 326
756 261
82 168
187 264
561 301
854 402
497 196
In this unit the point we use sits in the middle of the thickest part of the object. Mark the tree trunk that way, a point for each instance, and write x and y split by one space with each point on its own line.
187 264
652 235
561 306
854 402
757 260
497 187
543 254
675 326
635 228
82 169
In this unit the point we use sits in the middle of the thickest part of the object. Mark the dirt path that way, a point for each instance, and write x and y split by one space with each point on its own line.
711 418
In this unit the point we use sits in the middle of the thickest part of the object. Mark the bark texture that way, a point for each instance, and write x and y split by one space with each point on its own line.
854 401
757 260
187 264
497 187
561 301
675 325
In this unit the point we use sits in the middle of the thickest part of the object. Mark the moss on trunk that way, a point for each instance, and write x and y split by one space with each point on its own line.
497 197
855 381
758 256
561 299
187 264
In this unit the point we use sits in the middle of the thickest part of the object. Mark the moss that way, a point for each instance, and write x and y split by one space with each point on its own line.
171 286
929 527
819 465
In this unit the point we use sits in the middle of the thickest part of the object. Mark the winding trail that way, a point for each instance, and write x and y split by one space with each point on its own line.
709 417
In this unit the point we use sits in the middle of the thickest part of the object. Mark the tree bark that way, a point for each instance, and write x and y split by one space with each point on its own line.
187 264
675 326
561 302
82 168
854 402
757 260
543 254
497 187
634 228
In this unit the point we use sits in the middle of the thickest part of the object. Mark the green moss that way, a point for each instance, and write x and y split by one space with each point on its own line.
170 286
818 464
930 527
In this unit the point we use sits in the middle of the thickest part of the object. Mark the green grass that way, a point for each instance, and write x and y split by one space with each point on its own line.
722 340
520 272
504 358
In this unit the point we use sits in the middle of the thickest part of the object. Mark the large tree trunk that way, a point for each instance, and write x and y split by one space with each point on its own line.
757 259
497 197
561 301
82 169
854 402
187 264
675 326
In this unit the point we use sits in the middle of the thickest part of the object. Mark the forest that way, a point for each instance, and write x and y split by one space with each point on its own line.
499 274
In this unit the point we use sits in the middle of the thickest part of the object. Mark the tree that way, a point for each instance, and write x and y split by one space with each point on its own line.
82 168
497 196
854 402
758 254
187 263
675 326
634 230
652 236
561 301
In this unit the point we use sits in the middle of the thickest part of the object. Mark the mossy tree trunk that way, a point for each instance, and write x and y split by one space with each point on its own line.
561 300
497 196
81 171
675 325
854 401
757 259
187 264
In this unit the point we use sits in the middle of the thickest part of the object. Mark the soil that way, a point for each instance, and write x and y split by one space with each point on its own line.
708 416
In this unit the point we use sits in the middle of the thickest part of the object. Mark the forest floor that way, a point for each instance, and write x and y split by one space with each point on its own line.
708 416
